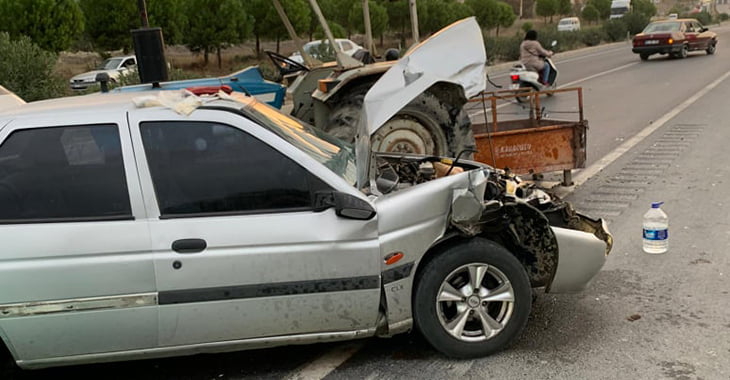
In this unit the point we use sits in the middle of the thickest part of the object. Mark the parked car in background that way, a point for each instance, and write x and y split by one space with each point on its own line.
675 37
114 67
323 51
569 24
249 81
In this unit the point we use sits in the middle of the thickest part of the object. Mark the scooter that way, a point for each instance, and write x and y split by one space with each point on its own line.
523 78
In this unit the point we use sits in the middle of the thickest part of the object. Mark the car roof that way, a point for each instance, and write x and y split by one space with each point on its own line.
673 20
96 103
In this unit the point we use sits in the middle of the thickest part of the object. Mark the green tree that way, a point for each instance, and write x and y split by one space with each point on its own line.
590 13
546 8
565 7
398 18
216 24
51 24
378 18
485 11
506 16
299 15
28 70
170 16
108 23
643 7
603 7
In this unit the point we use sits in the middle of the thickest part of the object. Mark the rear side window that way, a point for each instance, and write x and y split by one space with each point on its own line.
63 173
201 168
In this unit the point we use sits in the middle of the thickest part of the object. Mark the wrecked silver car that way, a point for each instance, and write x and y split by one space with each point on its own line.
171 227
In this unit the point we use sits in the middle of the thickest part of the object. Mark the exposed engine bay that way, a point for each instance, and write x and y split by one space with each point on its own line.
500 206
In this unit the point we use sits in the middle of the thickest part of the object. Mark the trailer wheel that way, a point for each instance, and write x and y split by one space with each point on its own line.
426 126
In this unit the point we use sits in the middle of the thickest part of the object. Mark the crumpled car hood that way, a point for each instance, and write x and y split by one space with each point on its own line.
455 55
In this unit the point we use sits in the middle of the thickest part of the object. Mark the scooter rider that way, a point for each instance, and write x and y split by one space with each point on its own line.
532 55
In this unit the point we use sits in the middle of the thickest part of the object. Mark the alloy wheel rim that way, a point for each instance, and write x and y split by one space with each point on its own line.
475 302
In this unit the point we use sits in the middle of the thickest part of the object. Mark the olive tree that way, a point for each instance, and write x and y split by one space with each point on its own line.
28 70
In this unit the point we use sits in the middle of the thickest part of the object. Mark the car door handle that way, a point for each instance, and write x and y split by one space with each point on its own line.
189 245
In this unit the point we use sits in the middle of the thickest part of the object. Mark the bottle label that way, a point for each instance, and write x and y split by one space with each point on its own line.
656 234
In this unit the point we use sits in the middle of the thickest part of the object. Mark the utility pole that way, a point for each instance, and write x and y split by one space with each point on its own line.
368 27
414 21
143 13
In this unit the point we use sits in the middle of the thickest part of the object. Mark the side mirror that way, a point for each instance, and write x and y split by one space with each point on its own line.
703 29
346 205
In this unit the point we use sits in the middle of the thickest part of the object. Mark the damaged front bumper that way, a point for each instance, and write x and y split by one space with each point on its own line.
561 249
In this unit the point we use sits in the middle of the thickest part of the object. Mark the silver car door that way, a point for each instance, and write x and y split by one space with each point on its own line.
76 273
240 253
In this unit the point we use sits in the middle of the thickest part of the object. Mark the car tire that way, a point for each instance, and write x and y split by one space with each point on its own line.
464 324
683 52
644 57
426 126
711 48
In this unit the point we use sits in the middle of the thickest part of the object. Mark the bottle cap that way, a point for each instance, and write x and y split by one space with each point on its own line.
656 204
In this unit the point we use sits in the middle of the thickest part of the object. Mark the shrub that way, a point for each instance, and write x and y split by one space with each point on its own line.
593 36
503 48
635 22
615 30
704 18
723 17
528 25
28 70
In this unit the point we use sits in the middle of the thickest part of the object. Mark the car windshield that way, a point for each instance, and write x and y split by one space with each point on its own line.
565 22
110 64
333 153
662 27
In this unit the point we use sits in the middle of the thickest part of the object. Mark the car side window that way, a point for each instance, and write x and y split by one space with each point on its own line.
689 28
346 46
128 63
63 174
203 168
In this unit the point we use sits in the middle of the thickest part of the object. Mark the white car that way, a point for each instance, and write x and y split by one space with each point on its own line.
569 24
131 229
113 66
321 50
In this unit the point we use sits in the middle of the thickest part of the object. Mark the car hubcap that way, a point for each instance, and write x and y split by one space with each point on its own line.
475 302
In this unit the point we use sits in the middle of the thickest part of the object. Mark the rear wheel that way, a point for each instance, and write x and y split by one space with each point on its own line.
426 126
644 57
472 300
525 98
711 47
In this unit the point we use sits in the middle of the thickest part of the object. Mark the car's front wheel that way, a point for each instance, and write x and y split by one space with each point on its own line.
683 52
711 47
472 299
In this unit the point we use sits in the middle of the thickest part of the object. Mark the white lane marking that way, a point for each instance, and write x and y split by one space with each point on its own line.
583 175
326 363
481 111
599 74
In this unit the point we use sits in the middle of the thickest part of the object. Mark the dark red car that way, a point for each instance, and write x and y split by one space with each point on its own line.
676 37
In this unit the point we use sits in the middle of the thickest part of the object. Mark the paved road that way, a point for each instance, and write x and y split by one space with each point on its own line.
657 317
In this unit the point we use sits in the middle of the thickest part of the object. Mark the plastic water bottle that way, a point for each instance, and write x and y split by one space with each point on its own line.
656 226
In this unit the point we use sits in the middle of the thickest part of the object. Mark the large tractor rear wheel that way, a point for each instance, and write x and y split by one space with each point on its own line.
426 126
